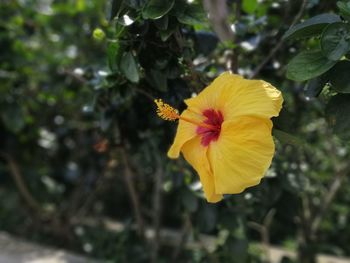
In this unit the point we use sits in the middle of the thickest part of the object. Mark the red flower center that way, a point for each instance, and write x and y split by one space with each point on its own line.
215 119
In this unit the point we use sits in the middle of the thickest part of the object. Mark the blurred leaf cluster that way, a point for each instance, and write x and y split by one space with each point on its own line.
78 123
326 63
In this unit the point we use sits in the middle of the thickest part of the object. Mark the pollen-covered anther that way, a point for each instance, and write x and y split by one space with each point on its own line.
165 111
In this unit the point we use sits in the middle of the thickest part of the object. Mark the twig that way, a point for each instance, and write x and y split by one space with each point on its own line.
306 249
331 192
51 219
100 184
183 238
264 230
79 78
21 185
145 93
325 204
218 15
128 177
238 10
170 238
193 74
232 62
157 208
280 42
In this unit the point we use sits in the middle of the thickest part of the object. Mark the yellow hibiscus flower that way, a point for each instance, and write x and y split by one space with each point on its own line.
225 133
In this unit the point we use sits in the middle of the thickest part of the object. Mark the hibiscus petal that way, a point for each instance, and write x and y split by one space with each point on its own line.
185 132
196 154
242 154
236 96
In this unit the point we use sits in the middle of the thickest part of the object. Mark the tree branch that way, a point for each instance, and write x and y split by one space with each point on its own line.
128 177
157 208
21 185
280 42
264 230
232 62
328 198
218 16
183 238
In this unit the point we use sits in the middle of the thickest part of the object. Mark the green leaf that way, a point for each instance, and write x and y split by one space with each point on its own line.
191 15
339 77
344 8
262 9
158 79
287 138
116 6
314 87
207 217
136 4
307 65
239 248
13 118
106 118
162 23
311 27
157 8
161 63
189 201
165 34
249 6
129 68
337 115
113 54
335 41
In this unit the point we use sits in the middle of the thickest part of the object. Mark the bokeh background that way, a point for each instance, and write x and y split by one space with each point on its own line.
83 161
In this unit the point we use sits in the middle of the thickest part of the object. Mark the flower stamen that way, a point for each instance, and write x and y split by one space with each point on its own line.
168 113
165 111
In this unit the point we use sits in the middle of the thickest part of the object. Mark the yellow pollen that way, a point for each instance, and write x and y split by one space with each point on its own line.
165 111
168 113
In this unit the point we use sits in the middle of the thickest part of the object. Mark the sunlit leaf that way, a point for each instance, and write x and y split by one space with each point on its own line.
249 6
98 34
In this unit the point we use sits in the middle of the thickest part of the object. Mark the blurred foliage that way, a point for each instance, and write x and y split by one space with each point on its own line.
77 122
327 61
